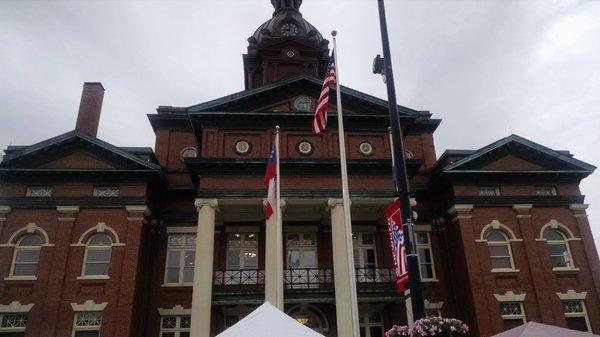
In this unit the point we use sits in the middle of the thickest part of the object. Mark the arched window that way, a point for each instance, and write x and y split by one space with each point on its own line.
189 152
27 254
560 254
500 253
97 255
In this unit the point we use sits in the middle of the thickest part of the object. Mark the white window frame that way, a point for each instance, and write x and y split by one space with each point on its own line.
564 241
572 296
177 330
426 246
363 246
39 191
77 328
18 248
88 247
301 247
182 249
501 243
367 324
243 248
13 329
520 316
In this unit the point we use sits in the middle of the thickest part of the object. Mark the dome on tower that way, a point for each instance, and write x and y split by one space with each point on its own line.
287 23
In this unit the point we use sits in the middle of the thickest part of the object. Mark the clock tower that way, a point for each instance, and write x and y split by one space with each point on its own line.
285 45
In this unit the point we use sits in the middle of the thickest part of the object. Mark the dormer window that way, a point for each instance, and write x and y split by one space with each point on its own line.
489 191
39 191
545 190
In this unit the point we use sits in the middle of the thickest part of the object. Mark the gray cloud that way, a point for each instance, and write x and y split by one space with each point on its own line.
487 69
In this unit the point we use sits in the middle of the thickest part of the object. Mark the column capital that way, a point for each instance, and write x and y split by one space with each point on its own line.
67 213
145 210
522 210
579 210
200 202
282 203
460 208
5 209
332 202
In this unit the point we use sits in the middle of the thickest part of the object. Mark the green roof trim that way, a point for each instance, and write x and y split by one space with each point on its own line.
29 150
525 142
291 80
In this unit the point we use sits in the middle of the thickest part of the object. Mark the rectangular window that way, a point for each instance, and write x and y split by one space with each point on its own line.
513 314
87 324
489 191
365 261
545 190
175 326
181 255
576 315
242 251
425 256
371 324
301 249
39 191
13 324
106 191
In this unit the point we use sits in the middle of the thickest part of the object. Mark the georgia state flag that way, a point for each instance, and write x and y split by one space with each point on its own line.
269 183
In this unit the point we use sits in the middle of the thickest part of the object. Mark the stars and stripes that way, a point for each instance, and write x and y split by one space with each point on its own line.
270 184
320 120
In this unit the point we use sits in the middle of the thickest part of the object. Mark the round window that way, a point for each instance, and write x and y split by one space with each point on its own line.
366 148
242 147
290 53
189 152
303 103
305 148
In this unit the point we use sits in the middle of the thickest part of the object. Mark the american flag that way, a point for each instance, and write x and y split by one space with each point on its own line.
320 120
394 219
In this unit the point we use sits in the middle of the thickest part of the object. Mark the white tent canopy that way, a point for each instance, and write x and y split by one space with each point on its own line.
267 320
533 329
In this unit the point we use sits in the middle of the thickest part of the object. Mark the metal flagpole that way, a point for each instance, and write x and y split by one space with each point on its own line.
345 192
402 184
279 231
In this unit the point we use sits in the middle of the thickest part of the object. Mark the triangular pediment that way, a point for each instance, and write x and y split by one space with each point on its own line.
270 96
517 154
74 151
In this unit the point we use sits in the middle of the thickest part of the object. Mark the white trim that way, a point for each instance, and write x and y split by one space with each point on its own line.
89 305
429 248
29 229
504 270
93 277
177 310
101 227
510 296
14 307
572 295
565 269
20 278
495 224
557 225
460 208
182 230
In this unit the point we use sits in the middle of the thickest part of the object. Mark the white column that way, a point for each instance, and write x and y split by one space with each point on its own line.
274 260
203 271
346 304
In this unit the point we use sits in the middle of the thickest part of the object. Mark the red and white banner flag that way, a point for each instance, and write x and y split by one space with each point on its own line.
394 220
270 184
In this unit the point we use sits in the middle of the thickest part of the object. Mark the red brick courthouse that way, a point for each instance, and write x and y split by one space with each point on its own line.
104 240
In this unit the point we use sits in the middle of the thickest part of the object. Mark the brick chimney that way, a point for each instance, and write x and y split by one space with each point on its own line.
90 107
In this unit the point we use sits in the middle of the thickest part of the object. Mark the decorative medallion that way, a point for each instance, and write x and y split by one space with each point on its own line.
189 152
305 148
290 53
242 147
303 103
365 148
289 29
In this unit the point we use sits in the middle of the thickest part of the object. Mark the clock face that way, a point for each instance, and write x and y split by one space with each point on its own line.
289 29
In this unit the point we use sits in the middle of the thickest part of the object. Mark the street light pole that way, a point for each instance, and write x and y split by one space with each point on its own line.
402 184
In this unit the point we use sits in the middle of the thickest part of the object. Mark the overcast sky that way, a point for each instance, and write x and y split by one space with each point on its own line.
487 69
